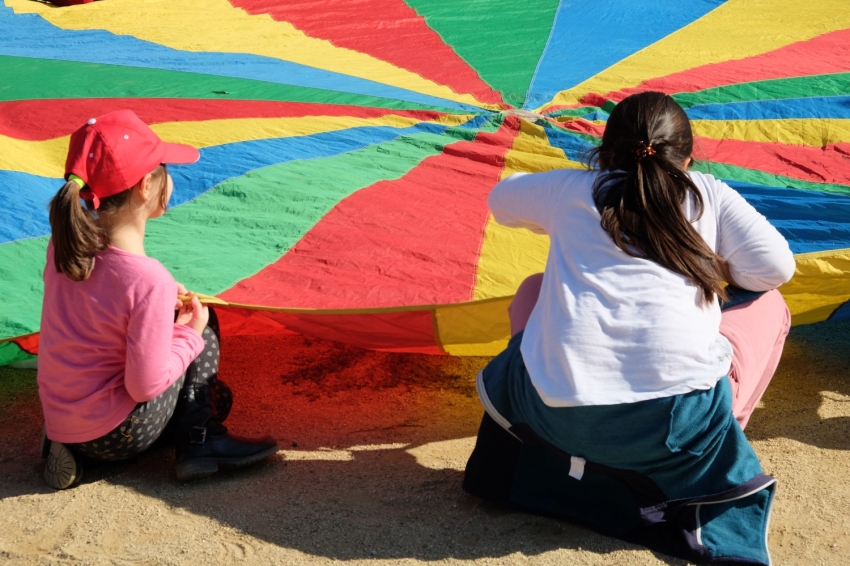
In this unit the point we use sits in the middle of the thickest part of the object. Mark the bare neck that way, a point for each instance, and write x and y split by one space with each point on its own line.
128 233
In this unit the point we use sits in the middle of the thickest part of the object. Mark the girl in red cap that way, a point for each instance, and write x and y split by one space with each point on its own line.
116 367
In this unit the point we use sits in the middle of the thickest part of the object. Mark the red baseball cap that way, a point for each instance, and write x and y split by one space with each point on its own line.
115 151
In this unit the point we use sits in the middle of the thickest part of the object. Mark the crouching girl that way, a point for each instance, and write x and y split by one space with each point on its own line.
621 398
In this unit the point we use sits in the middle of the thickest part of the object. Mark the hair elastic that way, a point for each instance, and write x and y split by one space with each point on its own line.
645 150
78 180
85 192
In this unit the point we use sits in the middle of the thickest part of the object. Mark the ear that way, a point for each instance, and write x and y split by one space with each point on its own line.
145 188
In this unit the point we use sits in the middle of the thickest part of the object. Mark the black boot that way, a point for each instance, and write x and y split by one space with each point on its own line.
202 443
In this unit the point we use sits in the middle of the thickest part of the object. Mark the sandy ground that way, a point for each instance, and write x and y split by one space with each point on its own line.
373 451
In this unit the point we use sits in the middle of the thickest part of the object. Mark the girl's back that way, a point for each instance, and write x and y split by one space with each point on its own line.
610 327
90 375
619 391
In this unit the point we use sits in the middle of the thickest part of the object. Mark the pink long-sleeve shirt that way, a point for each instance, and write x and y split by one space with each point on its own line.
108 343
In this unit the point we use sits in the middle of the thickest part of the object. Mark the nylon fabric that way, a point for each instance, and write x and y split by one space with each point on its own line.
24 200
217 26
353 147
734 173
825 164
736 30
358 241
816 107
816 133
230 70
196 179
47 158
818 287
774 89
48 79
473 28
811 221
635 23
282 201
38 120
407 42
11 353
822 55
529 153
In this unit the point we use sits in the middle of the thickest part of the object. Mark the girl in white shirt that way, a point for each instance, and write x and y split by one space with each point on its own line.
620 354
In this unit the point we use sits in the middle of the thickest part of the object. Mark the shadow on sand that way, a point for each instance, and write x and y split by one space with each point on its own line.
808 398
374 444
373 450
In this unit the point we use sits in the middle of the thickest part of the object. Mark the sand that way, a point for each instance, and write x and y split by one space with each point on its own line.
373 448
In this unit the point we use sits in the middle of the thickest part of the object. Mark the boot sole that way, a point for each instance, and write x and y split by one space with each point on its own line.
205 467
62 470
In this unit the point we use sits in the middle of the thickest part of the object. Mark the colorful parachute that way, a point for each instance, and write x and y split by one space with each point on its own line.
348 147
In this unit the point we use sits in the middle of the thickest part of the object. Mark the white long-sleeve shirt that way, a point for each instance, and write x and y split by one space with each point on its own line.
609 328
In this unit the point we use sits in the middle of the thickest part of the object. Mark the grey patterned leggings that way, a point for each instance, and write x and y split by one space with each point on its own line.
149 420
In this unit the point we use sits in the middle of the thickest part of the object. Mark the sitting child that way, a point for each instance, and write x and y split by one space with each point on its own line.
115 364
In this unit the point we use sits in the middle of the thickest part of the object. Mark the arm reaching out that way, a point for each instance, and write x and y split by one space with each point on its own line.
758 255
526 200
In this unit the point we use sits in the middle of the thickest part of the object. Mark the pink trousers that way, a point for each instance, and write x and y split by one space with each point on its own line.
756 330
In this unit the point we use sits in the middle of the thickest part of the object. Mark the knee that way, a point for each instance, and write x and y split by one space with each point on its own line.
524 301
772 314
527 293
530 287
777 304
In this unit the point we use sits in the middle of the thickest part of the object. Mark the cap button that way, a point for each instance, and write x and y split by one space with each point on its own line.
126 137
92 121
91 155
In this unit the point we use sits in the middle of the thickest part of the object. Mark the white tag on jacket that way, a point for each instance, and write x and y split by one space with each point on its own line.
577 467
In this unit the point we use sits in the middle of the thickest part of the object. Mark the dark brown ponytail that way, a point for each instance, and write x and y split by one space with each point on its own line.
644 184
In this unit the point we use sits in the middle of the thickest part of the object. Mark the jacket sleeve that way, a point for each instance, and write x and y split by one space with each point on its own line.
158 350
759 256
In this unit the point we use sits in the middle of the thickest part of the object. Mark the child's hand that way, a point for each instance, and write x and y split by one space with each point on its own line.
181 290
194 315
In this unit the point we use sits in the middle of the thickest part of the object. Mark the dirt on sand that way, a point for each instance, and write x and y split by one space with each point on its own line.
373 449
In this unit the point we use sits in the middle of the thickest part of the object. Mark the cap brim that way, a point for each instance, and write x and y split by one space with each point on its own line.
179 154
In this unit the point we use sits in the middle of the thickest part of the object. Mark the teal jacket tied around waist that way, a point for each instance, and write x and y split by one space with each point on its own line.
675 474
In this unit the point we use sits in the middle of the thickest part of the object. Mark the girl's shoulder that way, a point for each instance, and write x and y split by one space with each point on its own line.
563 182
706 182
716 192
711 188
119 265
571 176
136 271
